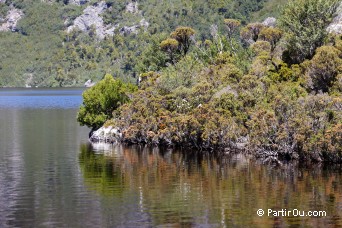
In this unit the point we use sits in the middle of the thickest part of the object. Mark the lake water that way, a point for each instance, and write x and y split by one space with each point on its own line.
50 176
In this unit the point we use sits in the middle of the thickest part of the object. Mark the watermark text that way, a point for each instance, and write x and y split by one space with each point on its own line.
290 213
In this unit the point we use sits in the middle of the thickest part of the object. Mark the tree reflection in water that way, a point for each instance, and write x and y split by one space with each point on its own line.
184 188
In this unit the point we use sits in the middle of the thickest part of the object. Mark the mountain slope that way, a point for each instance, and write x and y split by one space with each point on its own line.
42 53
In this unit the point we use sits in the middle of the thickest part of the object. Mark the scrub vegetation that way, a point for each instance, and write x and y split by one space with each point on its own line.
208 75
244 88
41 52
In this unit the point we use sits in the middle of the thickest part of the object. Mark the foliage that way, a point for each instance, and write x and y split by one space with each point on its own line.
251 31
101 100
267 110
183 35
170 46
231 26
43 54
305 23
272 35
210 89
323 68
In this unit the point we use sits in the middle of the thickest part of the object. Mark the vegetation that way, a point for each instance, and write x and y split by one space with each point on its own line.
101 100
207 78
305 23
234 92
41 53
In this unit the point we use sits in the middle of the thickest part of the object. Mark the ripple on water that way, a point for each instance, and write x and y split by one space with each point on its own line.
38 98
50 176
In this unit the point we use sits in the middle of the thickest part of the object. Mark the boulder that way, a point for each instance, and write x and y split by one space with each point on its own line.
89 83
106 135
270 22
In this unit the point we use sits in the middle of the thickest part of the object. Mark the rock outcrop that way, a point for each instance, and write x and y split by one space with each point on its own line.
91 19
134 29
132 7
69 2
106 135
77 2
11 20
270 22
336 24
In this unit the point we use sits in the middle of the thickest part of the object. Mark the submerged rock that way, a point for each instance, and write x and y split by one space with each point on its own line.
106 135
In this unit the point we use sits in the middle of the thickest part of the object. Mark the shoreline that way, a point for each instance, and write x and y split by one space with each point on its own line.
112 136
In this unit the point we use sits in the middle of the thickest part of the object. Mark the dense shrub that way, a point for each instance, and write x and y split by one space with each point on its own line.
323 68
101 100
305 22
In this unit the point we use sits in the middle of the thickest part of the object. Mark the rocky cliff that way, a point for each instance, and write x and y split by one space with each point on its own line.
92 19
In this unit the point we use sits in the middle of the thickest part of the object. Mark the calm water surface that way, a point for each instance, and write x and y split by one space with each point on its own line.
50 176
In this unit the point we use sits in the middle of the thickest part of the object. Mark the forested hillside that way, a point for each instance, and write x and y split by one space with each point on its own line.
45 48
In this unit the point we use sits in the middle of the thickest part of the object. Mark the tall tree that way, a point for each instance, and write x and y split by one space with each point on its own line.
170 46
183 35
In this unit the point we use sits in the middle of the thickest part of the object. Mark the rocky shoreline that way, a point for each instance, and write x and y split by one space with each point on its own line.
106 135
111 135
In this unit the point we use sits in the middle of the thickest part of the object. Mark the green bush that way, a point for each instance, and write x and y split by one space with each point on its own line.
101 100
324 68
305 23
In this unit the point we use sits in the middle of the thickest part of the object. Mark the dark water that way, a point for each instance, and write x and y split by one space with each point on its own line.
51 177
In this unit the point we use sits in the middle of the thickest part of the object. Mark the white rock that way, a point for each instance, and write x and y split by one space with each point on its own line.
77 2
106 135
336 25
144 23
126 30
91 18
11 20
270 22
89 83
132 7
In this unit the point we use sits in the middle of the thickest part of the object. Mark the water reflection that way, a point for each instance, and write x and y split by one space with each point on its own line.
190 189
